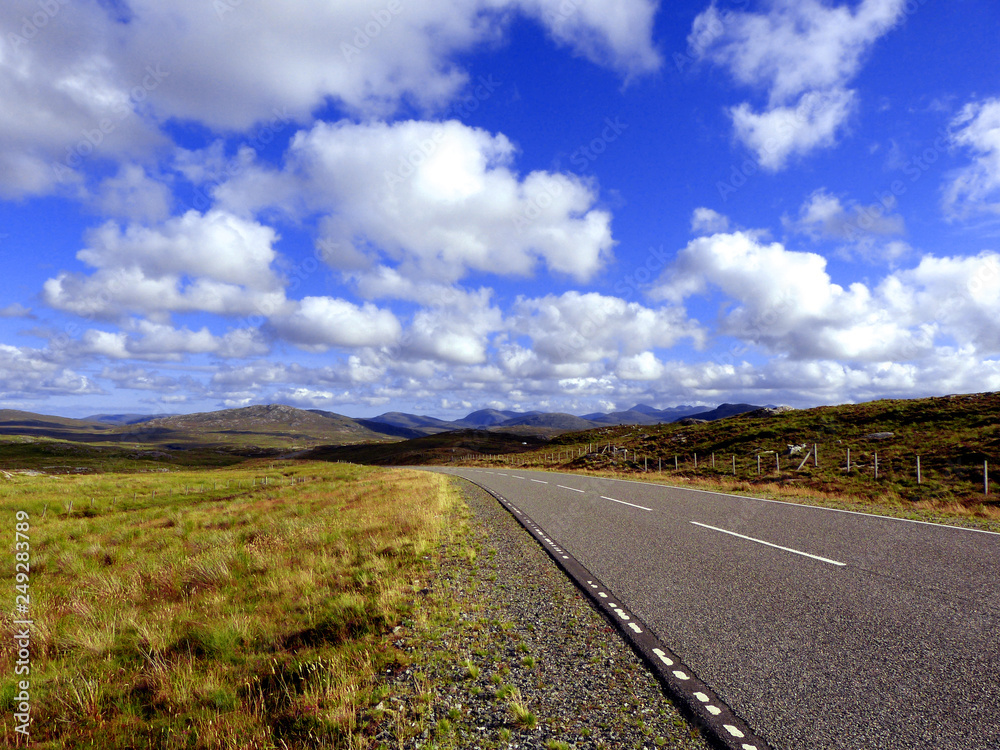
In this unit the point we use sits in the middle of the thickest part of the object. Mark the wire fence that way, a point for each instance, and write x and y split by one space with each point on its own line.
966 472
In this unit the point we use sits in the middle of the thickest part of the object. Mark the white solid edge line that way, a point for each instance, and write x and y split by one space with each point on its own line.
778 502
640 507
571 489
776 546
785 502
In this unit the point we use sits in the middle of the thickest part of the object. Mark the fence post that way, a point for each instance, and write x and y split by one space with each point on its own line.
876 465
734 464
675 462
918 469
713 460
848 459
815 455
986 477
758 464
696 460
777 462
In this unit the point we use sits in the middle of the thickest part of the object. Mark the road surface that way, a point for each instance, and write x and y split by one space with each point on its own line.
822 629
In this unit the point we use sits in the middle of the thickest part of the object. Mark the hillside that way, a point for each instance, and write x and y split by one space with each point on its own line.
424 424
14 422
273 425
430 449
952 435
550 421
487 418
123 419
60 445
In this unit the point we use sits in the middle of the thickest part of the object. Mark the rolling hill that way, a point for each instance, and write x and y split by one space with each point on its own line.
255 430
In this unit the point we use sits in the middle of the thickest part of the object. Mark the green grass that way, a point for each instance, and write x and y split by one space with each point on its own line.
519 711
215 616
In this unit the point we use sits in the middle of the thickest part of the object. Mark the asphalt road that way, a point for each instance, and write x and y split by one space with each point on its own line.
821 629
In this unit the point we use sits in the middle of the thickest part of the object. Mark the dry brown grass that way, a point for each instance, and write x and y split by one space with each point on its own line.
246 618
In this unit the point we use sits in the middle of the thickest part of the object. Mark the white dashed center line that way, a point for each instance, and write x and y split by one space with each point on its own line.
622 502
571 489
768 544
539 481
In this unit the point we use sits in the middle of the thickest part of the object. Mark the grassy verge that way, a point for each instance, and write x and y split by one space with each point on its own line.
209 610
511 655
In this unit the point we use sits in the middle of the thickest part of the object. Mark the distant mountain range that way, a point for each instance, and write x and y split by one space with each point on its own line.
404 425
553 422
275 425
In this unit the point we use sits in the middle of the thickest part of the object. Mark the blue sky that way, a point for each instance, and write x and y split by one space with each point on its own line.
435 207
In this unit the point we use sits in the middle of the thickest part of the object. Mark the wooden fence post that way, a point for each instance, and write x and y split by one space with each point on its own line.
848 459
734 464
918 469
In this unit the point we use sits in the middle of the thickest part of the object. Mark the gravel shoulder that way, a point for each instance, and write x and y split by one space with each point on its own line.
505 652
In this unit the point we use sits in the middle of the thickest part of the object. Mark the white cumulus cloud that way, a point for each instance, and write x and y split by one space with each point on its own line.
319 323
803 53
213 262
436 199
787 302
